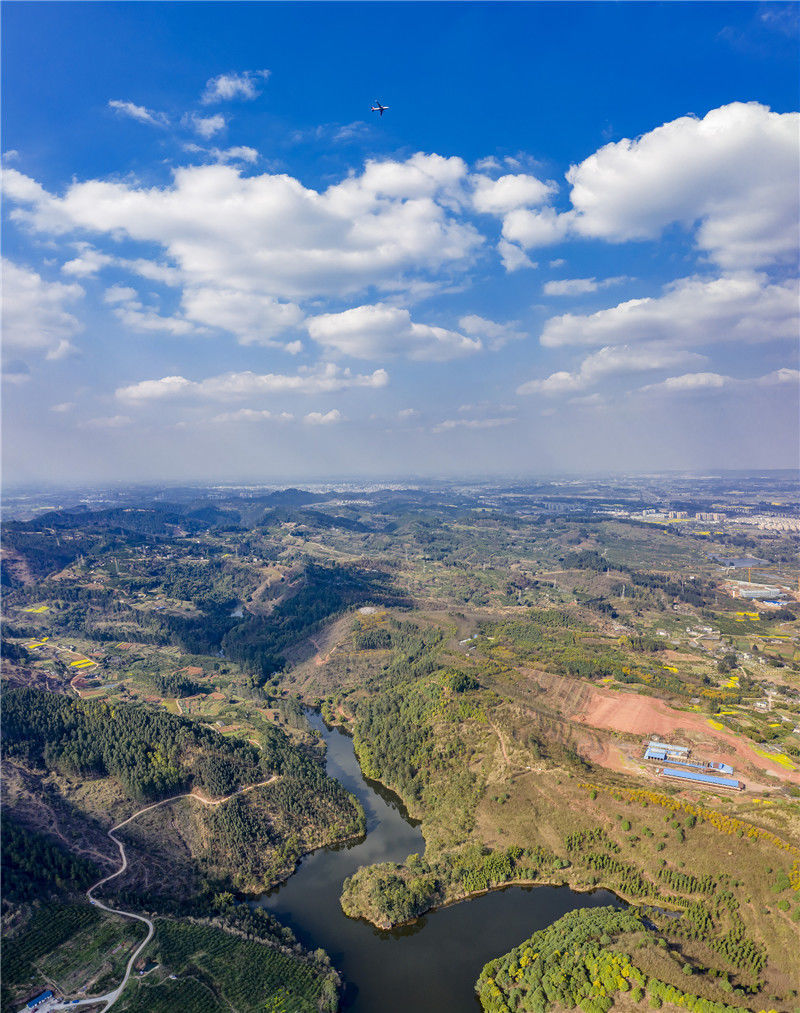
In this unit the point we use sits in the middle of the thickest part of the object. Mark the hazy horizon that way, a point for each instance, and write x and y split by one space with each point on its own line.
652 482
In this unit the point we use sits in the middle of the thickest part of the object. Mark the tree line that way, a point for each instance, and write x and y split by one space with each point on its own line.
151 753
575 963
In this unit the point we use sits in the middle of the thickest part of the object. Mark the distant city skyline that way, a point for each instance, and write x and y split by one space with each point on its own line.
569 244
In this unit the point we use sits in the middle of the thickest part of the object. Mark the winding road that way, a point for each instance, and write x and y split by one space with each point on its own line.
111 997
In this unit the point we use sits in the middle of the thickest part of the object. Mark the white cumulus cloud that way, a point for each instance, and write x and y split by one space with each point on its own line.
610 361
689 382
88 262
745 307
130 311
499 196
207 126
495 335
255 318
391 225
139 113
528 228
119 294
253 415
729 179
368 332
329 418
734 172
240 153
225 87
235 386
35 316
778 377
699 383
579 286
513 256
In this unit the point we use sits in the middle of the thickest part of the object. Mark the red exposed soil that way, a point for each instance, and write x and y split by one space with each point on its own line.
641 715
597 749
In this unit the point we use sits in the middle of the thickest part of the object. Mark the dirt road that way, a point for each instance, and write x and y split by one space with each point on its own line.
111 997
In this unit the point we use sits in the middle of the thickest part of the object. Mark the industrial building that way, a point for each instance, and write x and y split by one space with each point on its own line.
710 767
712 780
39 999
744 589
678 757
664 751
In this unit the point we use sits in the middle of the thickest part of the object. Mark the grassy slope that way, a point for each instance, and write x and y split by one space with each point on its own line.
526 792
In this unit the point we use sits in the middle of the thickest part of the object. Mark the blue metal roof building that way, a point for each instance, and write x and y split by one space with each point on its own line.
711 779
689 764
655 744
39 999
712 768
655 754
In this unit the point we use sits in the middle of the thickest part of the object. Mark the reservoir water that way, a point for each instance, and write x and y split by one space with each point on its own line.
432 965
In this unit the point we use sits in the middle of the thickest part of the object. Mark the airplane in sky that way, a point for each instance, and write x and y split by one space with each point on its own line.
378 108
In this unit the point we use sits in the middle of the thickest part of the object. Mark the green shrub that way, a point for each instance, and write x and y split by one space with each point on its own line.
781 883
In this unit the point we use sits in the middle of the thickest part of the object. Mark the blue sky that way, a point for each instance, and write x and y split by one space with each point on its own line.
569 244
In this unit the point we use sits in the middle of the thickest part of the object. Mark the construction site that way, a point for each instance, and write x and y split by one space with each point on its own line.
682 768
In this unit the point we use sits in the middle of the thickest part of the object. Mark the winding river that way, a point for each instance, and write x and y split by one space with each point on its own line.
432 965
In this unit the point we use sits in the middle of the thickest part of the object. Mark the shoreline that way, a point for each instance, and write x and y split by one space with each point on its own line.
458 899
262 891
576 888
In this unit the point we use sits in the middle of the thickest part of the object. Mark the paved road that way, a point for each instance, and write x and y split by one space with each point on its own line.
111 997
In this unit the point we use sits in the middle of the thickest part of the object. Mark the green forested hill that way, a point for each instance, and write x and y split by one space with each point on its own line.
150 752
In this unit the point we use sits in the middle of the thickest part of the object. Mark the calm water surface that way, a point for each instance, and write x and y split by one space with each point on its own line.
428 967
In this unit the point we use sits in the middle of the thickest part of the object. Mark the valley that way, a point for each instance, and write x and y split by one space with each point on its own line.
498 665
